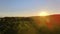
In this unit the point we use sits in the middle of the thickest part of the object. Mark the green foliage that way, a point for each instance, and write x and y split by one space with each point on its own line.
12 25
23 25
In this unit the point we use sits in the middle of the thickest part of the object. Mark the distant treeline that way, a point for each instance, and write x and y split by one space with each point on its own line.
23 25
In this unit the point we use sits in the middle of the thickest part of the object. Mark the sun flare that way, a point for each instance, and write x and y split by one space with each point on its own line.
43 13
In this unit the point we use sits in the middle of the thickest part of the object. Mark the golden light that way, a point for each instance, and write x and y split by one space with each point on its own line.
44 13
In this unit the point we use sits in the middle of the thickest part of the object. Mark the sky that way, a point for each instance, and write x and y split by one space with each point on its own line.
28 7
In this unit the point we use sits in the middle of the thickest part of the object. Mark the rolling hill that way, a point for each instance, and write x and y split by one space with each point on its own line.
30 25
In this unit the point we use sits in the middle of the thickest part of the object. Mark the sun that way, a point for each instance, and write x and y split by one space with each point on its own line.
44 13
